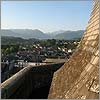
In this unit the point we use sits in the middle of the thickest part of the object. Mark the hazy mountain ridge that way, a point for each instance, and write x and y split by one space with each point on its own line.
24 33
37 34
70 35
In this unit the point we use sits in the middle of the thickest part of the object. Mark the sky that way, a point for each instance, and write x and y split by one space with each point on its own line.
48 16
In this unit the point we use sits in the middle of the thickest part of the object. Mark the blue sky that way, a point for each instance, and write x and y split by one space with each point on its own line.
47 16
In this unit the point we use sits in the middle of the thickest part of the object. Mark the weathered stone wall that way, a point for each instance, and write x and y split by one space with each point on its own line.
78 77
21 85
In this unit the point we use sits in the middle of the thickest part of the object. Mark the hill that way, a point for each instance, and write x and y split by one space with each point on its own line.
24 33
69 35
37 34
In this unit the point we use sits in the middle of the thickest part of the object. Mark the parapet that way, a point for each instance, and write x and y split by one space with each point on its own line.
21 84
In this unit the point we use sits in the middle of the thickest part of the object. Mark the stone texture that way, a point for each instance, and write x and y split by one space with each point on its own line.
30 78
79 77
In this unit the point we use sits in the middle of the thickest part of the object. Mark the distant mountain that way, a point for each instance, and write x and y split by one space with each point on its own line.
37 34
24 33
55 32
69 35
9 33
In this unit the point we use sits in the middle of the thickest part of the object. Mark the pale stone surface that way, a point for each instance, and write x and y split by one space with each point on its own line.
78 77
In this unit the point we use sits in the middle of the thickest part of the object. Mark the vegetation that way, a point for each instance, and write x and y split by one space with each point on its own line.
11 45
8 49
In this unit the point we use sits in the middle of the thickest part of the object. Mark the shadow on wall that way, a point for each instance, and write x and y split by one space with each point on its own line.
40 93
30 82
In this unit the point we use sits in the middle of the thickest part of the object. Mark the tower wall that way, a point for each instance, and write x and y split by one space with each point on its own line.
79 77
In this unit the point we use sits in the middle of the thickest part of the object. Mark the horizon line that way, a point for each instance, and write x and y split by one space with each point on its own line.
39 29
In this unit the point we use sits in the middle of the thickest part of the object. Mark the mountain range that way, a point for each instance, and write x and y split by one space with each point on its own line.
37 34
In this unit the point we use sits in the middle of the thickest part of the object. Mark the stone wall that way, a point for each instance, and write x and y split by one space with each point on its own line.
79 77
21 85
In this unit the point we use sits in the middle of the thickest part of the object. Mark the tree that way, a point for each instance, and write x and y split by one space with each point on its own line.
7 51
